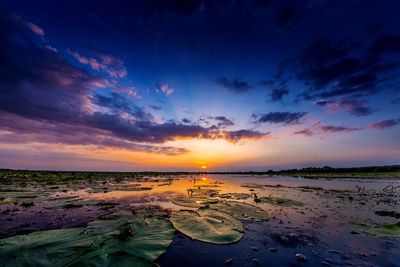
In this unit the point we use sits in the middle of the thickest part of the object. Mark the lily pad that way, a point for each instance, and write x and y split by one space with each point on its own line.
208 225
378 230
202 192
241 211
280 201
118 240
127 241
44 248
193 202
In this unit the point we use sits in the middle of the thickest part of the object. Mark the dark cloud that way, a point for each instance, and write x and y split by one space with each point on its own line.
155 107
119 103
233 85
306 132
353 106
62 105
319 128
184 120
222 121
385 124
278 117
277 89
240 135
332 68
18 130
334 129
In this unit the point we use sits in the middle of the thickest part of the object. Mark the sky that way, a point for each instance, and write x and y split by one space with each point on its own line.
198 85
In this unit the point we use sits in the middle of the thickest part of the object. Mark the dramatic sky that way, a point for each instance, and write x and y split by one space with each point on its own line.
181 84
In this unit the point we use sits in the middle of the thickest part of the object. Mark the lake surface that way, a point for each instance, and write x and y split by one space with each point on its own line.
320 229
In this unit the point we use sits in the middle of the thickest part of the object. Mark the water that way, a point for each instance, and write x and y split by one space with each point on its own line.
319 229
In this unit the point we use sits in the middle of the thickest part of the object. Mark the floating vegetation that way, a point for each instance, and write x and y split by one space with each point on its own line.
280 201
202 192
241 211
380 230
121 239
192 202
208 225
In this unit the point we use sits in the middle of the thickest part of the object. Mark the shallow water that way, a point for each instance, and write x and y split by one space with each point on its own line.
319 229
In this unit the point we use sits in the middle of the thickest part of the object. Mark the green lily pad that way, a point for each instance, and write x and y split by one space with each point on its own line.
234 195
44 248
378 230
127 241
192 202
241 211
120 239
208 225
280 201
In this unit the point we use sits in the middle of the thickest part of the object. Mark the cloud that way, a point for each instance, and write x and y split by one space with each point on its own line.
353 106
278 117
129 91
102 62
35 28
222 121
385 124
44 98
233 85
19 130
306 132
155 107
165 88
240 135
335 129
277 89
330 68
319 128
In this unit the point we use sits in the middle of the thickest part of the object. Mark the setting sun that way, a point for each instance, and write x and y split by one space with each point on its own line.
203 167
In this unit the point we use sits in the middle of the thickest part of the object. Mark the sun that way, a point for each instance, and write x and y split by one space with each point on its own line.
204 167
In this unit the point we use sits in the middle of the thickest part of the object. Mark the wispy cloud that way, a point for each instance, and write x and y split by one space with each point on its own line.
353 106
319 128
385 124
102 62
278 117
35 28
165 89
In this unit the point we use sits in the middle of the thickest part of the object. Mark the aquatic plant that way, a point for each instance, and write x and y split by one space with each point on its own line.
208 225
121 239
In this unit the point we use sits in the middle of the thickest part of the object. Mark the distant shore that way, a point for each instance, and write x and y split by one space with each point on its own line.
371 172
